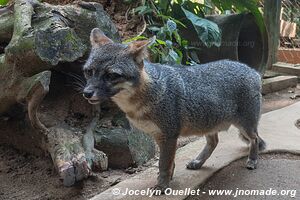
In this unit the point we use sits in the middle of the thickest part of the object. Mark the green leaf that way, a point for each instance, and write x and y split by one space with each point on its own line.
163 4
208 32
222 5
3 2
173 54
242 6
160 42
177 37
153 28
171 58
161 34
128 1
134 39
142 10
165 17
179 54
184 43
194 7
251 6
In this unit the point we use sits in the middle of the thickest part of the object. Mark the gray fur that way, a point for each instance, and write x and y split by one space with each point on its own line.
204 95
203 99
212 142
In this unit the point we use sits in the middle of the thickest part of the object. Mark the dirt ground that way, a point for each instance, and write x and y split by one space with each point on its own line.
27 177
24 176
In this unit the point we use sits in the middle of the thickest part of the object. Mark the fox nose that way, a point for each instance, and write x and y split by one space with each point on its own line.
88 94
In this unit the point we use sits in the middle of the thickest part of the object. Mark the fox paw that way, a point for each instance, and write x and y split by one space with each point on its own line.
251 164
195 164
158 190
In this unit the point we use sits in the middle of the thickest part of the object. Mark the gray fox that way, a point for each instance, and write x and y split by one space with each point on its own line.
170 101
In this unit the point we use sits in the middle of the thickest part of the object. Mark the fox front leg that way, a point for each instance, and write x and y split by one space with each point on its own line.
211 143
166 163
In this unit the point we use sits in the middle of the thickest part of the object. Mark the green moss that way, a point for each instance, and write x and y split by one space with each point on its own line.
70 37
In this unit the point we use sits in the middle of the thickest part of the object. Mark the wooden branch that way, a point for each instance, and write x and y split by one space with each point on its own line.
34 90
64 150
23 11
70 157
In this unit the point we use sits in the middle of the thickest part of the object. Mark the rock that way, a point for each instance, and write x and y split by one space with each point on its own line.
297 123
124 146
115 182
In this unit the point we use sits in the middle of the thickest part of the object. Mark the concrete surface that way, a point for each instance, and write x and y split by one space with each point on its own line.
278 83
272 173
286 68
276 127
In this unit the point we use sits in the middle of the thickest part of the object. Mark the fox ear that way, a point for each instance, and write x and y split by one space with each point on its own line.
138 49
97 37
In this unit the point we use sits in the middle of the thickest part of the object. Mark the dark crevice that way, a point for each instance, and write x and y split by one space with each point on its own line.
2 47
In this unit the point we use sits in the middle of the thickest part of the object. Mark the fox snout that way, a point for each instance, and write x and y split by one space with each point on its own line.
88 94
99 91
91 95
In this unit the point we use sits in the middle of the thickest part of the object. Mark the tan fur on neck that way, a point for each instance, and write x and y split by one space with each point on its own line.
130 100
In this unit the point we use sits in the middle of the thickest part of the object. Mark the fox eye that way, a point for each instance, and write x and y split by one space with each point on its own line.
113 76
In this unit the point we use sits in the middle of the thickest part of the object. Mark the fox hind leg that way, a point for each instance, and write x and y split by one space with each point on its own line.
256 144
253 152
211 143
261 143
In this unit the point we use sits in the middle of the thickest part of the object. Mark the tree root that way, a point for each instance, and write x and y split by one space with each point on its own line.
72 161
74 156
37 37
36 88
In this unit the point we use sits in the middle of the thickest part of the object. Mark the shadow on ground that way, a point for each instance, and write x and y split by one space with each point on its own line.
276 172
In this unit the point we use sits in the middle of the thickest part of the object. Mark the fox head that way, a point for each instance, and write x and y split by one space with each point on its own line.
112 67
